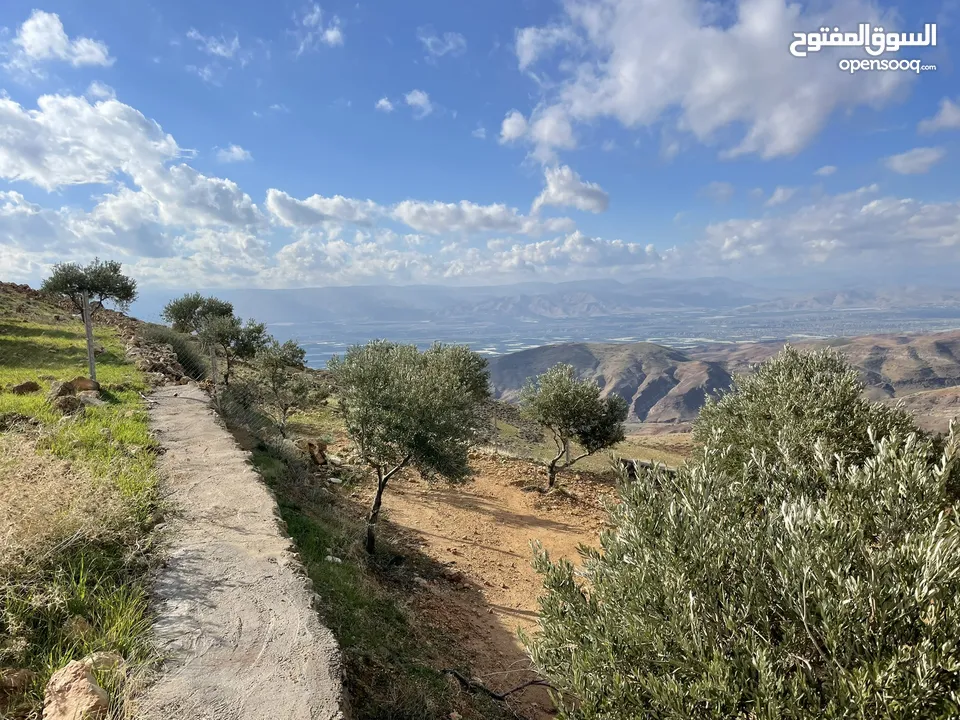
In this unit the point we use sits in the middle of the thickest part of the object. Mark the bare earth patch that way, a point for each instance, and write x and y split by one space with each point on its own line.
482 531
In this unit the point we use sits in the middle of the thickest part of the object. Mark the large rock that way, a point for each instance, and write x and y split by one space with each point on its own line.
60 389
24 388
67 404
91 398
73 694
82 384
15 681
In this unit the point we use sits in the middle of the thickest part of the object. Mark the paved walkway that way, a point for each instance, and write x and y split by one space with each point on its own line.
234 616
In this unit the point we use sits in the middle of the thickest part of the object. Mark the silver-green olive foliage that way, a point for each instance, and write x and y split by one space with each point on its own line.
806 564
405 407
572 410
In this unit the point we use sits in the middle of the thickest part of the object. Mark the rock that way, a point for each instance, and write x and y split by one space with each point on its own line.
23 388
333 559
14 681
82 384
60 389
183 381
91 398
67 404
335 481
334 460
58 318
104 661
99 350
73 694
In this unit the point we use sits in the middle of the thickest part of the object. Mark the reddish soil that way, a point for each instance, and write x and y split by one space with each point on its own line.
482 531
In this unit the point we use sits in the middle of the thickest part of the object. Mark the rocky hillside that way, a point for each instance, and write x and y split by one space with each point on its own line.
662 385
890 365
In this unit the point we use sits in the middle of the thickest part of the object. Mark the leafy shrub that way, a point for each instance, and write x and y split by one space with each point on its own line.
805 564
188 350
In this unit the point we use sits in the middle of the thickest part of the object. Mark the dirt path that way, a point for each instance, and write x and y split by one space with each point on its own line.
482 531
235 618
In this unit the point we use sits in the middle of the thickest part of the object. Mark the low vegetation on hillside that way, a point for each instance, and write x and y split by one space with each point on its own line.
78 496
806 563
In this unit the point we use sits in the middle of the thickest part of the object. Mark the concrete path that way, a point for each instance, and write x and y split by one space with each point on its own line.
235 620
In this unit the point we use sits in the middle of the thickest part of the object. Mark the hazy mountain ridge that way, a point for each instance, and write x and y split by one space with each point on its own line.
664 385
661 384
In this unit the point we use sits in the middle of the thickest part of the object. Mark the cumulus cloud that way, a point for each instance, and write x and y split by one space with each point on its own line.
513 128
826 171
532 42
915 162
420 102
780 196
947 118
450 43
42 38
384 105
311 31
316 209
667 62
565 188
232 154
859 228
480 133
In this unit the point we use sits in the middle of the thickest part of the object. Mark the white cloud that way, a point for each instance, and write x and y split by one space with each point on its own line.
70 141
316 209
780 196
662 62
532 42
233 154
280 108
384 105
451 43
42 38
99 91
857 229
217 46
480 133
826 171
916 161
514 127
947 118
311 32
718 191
420 102
565 188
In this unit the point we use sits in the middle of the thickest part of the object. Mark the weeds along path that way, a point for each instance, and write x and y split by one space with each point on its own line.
235 621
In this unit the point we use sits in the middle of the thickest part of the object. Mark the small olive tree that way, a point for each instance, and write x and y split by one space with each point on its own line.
101 280
402 407
235 340
283 383
188 313
573 411
805 564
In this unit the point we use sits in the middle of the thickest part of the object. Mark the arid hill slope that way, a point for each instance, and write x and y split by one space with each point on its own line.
662 385
891 365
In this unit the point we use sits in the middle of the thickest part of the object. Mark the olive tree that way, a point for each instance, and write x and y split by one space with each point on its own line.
572 410
101 280
235 340
188 313
405 407
283 383
805 564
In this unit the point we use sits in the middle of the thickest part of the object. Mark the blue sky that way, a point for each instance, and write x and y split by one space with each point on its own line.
294 144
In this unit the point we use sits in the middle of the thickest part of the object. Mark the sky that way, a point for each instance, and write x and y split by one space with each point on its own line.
295 144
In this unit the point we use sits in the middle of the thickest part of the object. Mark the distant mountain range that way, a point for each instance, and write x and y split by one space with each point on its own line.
663 385
660 384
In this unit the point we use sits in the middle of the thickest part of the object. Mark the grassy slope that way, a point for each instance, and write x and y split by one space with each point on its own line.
91 568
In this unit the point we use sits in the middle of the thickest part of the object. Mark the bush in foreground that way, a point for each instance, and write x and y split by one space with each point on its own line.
806 564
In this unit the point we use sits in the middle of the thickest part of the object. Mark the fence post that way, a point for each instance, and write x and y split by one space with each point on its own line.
88 325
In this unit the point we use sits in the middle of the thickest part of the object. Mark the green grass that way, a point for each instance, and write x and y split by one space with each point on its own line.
98 573
393 663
